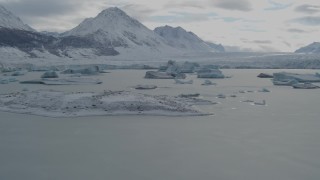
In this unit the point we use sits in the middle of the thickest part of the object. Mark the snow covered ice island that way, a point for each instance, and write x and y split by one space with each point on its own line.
61 104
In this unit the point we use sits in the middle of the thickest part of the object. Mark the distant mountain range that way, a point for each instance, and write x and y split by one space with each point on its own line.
110 33
311 48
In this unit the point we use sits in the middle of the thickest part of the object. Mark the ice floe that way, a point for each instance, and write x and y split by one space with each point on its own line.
62 104
145 87
63 81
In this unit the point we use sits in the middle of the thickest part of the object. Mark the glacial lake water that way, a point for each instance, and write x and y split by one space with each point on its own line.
280 141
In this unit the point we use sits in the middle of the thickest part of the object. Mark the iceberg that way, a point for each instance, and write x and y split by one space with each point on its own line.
50 74
210 73
188 67
173 67
93 70
208 83
264 75
8 80
305 86
284 82
18 73
284 76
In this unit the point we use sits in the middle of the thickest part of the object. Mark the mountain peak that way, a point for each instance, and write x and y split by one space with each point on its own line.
9 20
109 20
113 10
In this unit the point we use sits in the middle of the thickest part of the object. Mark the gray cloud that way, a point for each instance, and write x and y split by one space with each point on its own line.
308 20
308 9
237 49
262 42
286 43
39 13
293 30
239 5
268 49
257 41
34 8
192 4
137 11
178 17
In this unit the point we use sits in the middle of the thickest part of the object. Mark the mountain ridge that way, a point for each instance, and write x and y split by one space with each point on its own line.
112 32
311 48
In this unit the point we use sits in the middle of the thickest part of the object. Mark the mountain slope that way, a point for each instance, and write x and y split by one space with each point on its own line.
188 41
114 28
312 48
9 20
216 47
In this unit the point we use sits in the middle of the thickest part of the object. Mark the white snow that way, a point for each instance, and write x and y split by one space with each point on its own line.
61 104
114 28
9 20
181 39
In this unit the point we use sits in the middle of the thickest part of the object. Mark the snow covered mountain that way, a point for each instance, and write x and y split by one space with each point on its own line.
115 29
312 48
112 32
9 20
187 41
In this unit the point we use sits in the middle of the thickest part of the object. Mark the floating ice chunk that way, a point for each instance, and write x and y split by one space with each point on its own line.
188 67
189 95
145 87
93 70
285 82
221 96
8 80
18 73
163 75
305 86
4 81
264 90
65 81
208 83
283 76
173 67
263 103
247 101
177 81
210 73
264 75
50 74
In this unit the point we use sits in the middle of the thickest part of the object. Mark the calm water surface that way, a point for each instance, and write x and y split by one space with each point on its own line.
240 142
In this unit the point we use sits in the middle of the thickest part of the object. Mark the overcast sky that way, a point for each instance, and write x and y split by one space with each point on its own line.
252 25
